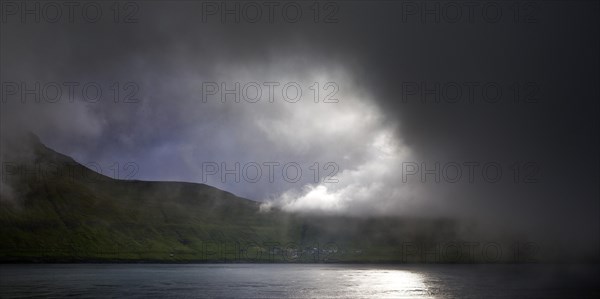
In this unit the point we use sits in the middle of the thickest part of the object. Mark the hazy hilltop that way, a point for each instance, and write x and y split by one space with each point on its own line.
54 207
57 210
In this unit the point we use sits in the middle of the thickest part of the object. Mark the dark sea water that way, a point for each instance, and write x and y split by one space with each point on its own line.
299 281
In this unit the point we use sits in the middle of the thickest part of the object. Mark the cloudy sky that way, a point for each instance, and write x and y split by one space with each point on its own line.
488 112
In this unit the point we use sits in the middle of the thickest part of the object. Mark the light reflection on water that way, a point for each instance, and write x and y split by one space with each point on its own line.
388 283
298 281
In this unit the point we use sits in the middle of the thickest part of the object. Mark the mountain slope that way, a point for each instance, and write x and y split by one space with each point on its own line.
56 210
56 207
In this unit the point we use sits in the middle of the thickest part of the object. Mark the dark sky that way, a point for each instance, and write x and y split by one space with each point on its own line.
379 55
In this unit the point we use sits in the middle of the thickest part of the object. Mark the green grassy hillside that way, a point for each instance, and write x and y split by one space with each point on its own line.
56 210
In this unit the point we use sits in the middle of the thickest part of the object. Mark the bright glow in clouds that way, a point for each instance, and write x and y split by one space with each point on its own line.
371 184
352 133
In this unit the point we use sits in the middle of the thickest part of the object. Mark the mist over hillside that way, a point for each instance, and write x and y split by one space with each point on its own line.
55 209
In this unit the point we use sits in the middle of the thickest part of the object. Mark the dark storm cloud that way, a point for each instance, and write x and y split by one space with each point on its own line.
378 55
